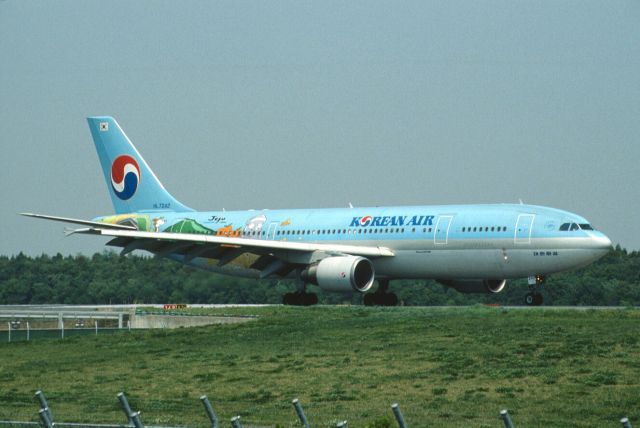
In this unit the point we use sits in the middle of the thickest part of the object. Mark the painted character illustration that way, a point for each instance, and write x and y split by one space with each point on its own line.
157 222
253 226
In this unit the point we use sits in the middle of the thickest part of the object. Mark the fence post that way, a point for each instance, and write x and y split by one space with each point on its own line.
28 331
506 419
209 409
235 422
135 417
125 407
300 413
43 404
625 422
44 417
9 325
96 321
398 414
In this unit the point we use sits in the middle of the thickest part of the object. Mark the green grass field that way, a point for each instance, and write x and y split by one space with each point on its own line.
446 367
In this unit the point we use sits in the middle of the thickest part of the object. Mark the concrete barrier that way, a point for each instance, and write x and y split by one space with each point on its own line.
177 321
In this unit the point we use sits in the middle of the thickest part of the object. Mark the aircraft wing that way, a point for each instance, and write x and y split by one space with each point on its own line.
274 257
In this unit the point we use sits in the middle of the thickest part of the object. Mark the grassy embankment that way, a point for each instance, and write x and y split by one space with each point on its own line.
446 367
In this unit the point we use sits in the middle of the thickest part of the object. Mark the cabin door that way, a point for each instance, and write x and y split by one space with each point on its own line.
442 229
524 226
271 232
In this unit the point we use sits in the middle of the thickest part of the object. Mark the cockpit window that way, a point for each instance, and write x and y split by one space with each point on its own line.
586 226
574 226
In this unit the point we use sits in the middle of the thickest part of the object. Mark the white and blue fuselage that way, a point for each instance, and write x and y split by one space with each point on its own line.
499 241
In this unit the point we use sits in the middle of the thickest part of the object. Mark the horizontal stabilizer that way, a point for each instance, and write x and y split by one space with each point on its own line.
82 222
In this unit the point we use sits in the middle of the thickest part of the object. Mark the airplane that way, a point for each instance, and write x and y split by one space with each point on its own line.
470 248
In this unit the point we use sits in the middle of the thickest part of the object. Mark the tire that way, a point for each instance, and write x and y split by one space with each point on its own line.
390 299
309 299
529 299
537 299
369 299
287 299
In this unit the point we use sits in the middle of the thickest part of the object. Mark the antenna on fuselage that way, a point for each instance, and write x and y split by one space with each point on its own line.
350 205
521 203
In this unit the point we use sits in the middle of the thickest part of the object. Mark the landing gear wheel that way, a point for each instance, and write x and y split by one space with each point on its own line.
529 299
287 299
300 299
369 299
309 299
390 299
537 299
533 299
381 297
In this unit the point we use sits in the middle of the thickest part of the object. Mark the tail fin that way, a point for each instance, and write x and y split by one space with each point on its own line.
132 185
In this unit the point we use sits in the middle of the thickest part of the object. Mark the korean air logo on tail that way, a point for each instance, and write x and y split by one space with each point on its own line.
125 176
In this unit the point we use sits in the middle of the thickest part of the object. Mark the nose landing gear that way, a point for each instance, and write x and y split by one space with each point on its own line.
534 297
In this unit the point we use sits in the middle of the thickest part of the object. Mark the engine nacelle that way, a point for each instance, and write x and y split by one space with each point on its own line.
482 286
341 273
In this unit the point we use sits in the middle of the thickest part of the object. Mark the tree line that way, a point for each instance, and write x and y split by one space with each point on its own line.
107 278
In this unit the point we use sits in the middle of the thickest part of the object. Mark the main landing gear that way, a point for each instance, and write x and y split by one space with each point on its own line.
534 297
381 297
300 297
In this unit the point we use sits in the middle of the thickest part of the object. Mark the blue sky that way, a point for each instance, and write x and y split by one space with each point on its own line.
243 105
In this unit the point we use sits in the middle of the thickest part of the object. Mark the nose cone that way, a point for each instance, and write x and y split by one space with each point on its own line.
600 244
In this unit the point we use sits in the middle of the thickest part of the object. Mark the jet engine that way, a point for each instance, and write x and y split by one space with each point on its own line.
482 286
341 273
